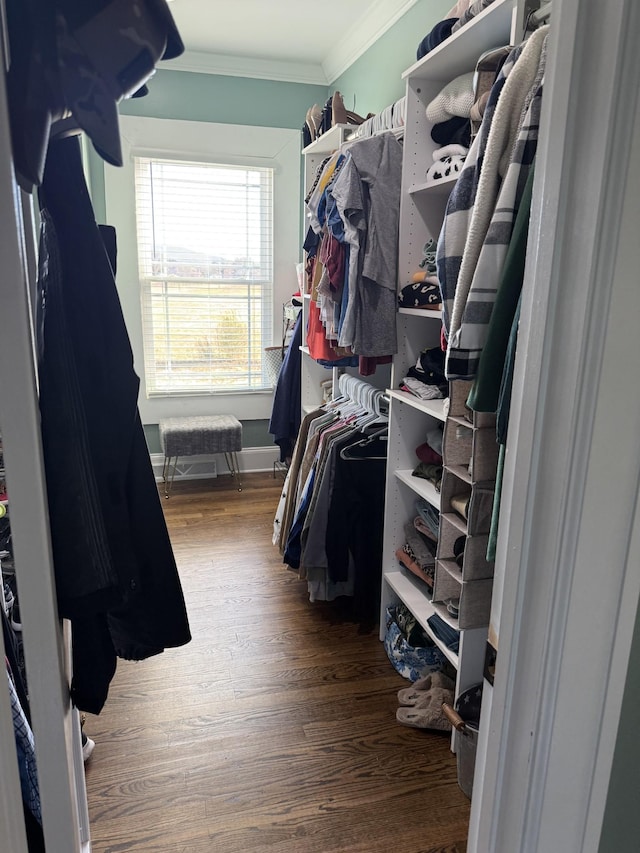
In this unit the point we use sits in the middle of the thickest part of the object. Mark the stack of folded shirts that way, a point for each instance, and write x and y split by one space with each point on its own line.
420 389
449 636
430 472
428 519
418 554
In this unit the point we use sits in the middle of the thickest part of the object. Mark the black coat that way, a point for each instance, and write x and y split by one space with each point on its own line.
116 576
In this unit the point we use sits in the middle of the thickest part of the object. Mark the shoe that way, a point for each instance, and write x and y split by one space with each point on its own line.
88 746
338 110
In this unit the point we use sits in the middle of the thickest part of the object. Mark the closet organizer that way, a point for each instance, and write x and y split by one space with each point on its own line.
464 216
95 573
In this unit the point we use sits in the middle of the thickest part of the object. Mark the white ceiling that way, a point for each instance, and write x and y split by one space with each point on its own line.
280 39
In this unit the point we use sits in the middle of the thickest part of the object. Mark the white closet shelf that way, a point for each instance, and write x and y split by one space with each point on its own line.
461 421
421 312
305 350
306 296
415 599
457 54
437 188
420 486
309 407
329 141
435 408
443 613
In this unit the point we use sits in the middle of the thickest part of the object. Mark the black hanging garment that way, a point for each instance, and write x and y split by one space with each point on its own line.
116 576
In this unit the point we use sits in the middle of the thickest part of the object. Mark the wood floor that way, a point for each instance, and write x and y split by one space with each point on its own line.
274 730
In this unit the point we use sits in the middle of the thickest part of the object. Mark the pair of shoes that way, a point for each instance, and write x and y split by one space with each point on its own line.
428 714
411 696
88 746
341 115
313 121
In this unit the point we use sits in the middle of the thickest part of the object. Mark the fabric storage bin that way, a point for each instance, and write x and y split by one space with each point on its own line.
411 661
465 718
458 392
474 597
471 453
475 565
479 505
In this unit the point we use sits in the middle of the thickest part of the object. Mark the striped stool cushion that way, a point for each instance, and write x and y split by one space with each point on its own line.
199 435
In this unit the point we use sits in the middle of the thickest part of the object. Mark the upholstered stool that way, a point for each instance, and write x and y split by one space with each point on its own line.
198 435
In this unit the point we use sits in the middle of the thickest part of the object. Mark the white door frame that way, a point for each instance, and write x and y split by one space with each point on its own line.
567 579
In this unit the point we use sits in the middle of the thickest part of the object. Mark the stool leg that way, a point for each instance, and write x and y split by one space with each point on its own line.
233 466
165 470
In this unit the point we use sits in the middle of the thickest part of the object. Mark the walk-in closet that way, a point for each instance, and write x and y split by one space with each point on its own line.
319 444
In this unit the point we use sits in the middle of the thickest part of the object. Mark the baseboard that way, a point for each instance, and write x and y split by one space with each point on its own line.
250 459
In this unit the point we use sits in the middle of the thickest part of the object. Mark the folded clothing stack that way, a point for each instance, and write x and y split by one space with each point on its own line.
450 110
447 163
428 372
424 290
418 554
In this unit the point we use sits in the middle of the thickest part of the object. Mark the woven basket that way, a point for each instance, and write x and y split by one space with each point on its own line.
273 357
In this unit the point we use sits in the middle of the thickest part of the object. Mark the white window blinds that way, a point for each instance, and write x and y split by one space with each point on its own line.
205 252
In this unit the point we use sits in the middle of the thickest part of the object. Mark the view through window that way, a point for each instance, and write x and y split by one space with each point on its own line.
205 254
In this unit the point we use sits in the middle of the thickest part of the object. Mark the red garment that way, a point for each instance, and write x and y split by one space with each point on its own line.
367 364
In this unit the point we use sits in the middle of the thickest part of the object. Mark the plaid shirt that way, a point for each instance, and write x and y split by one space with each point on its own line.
457 220
26 754
465 344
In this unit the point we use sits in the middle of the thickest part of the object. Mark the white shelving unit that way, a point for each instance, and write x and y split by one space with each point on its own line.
421 215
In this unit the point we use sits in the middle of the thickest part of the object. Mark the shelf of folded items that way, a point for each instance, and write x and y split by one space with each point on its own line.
490 28
433 188
429 313
411 592
328 141
435 408
424 488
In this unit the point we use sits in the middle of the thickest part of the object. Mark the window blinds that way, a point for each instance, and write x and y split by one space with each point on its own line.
205 255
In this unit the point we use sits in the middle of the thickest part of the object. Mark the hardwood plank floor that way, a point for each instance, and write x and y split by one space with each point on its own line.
274 730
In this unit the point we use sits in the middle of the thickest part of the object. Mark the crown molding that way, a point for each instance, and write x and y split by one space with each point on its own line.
200 62
359 38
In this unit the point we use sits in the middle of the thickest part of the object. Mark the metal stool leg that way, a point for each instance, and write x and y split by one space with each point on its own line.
165 470
231 458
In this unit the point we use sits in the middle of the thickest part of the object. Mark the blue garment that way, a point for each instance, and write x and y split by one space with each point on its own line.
449 636
293 550
287 406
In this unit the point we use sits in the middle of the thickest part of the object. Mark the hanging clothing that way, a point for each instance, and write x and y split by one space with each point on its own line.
285 413
116 576
506 122
25 748
466 345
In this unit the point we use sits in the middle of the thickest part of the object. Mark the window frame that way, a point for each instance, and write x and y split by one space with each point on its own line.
267 286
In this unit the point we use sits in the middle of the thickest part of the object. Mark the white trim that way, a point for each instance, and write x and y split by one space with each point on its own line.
380 17
250 459
200 62
564 610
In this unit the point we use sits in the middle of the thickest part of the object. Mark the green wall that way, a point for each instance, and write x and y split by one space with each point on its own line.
375 79
214 98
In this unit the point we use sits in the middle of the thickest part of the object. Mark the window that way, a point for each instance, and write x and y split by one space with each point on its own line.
205 257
